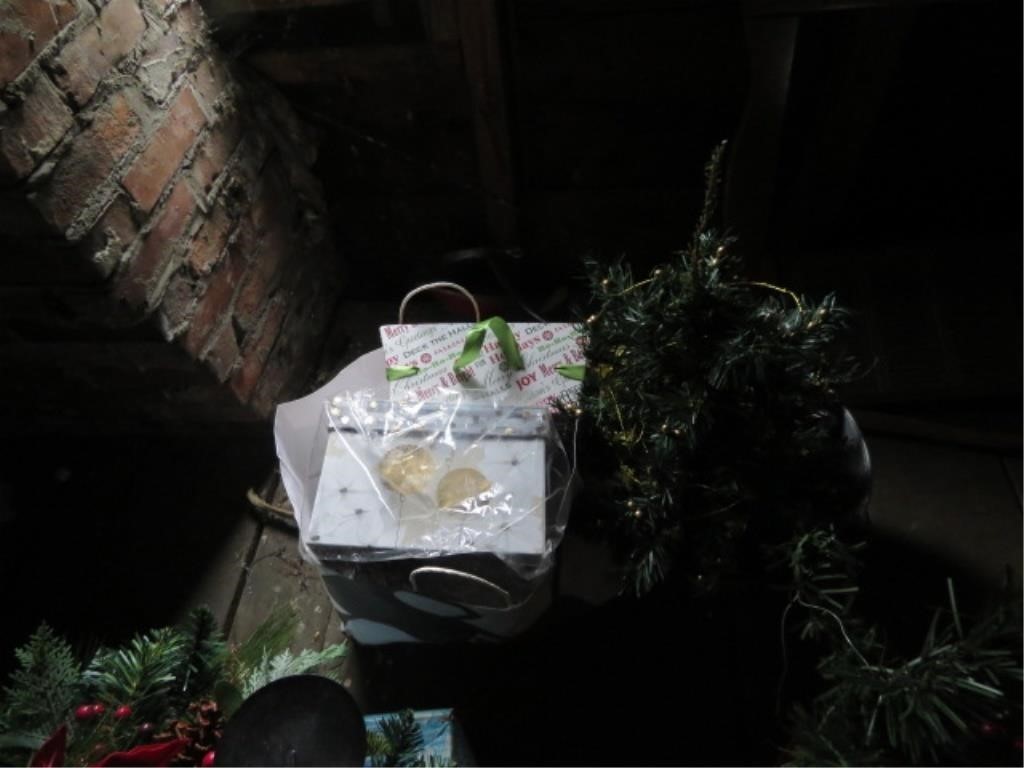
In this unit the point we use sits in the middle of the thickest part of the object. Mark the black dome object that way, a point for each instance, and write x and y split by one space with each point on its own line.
297 720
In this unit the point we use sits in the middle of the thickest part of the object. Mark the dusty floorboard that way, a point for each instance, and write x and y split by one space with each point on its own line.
951 502
1015 471
218 584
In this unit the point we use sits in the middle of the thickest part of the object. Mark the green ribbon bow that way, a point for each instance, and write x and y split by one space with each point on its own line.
396 372
475 342
574 372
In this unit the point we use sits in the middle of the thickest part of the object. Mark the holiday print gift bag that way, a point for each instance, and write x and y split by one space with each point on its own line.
528 364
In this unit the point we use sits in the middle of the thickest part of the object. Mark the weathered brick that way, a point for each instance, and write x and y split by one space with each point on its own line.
223 352
216 151
30 130
86 60
212 82
293 358
142 274
243 242
304 332
276 374
214 306
178 302
112 235
252 154
161 65
210 241
152 170
92 157
256 351
26 26
274 203
188 22
261 280
117 222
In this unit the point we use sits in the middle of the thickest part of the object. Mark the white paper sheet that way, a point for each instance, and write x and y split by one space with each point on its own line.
296 426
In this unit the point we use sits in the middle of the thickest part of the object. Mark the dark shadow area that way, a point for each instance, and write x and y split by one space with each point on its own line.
662 681
105 536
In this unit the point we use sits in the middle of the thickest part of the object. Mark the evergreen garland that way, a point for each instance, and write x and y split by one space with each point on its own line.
709 419
714 402
177 681
170 683
878 707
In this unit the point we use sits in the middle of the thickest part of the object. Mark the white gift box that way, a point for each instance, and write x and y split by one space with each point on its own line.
400 567
356 512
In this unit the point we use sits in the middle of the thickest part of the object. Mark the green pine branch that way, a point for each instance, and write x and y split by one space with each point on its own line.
271 638
206 655
286 663
39 693
924 710
142 675
398 742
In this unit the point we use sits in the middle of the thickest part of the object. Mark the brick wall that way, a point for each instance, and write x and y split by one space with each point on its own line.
131 148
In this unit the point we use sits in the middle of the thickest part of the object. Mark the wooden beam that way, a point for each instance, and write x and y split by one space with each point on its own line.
219 8
441 20
792 7
925 430
754 156
843 122
479 25
362 63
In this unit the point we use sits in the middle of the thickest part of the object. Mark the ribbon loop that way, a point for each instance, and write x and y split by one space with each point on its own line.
475 342
574 372
396 372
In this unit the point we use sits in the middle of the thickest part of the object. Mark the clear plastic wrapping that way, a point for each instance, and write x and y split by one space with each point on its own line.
439 478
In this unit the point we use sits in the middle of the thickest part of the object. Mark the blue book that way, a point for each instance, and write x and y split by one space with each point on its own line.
442 737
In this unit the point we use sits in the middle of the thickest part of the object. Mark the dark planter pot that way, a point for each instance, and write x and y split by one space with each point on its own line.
298 720
853 470
587 567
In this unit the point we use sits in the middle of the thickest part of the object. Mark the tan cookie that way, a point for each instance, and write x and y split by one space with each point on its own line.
459 485
407 469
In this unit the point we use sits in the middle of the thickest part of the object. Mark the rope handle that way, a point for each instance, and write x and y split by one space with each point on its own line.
431 286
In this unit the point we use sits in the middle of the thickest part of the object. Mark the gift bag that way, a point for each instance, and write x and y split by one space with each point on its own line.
434 505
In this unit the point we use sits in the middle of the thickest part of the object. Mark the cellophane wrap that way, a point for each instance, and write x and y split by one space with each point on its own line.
429 479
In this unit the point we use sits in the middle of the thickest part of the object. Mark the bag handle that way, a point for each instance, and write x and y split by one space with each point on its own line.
432 286
474 338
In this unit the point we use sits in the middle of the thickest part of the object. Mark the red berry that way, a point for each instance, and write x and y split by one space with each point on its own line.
122 712
85 712
98 709
209 758
991 729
